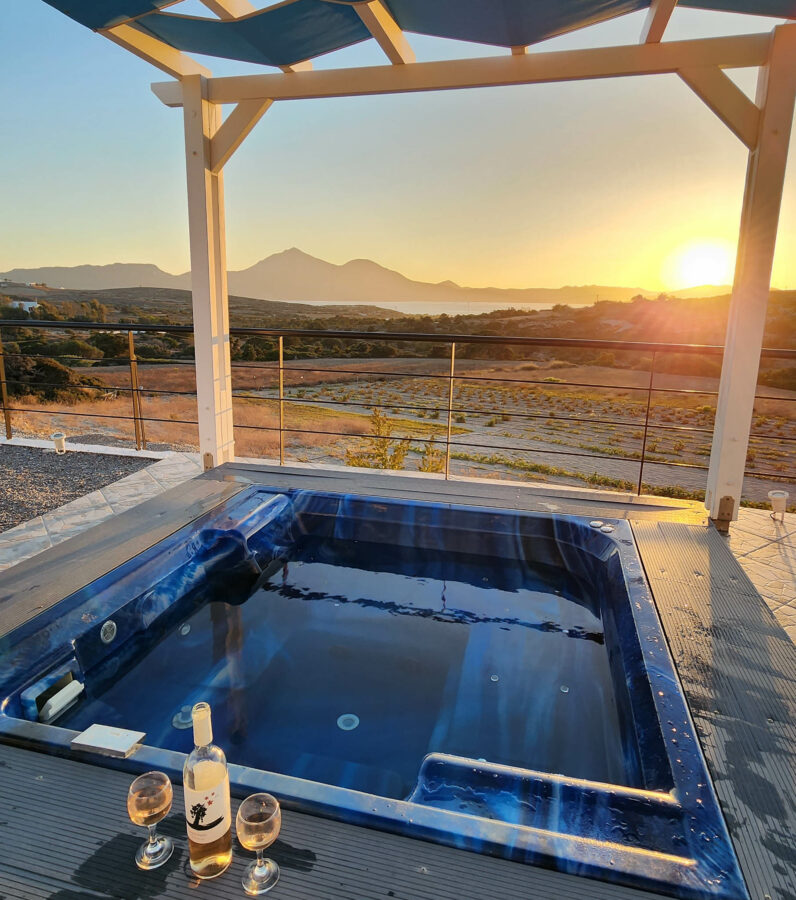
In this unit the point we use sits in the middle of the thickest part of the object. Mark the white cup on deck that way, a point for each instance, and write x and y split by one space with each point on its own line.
779 500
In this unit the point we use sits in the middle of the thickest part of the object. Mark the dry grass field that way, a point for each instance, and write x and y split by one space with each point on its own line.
531 421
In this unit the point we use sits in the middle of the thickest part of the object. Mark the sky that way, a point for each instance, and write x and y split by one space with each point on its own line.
628 181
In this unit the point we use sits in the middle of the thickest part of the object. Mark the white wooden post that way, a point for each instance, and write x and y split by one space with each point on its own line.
765 176
208 276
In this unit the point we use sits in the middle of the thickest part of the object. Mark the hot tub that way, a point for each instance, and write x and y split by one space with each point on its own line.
494 680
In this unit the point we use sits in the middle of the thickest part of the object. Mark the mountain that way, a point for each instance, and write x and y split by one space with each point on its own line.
96 278
293 275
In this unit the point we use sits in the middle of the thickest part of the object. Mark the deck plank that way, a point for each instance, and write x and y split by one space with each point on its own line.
738 670
53 847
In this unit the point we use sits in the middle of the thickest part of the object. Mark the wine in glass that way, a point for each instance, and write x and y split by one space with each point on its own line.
258 823
148 801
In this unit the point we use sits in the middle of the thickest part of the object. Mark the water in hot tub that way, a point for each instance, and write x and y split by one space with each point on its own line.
350 662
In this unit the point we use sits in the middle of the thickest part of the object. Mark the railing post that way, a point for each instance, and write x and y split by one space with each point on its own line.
450 411
646 423
4 392
281 401
138 420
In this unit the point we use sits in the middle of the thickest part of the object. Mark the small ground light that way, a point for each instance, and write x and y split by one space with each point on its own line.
779 500
59 441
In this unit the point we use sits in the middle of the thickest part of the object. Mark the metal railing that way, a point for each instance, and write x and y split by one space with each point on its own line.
454 378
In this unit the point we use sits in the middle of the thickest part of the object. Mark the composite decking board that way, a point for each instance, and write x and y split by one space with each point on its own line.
36 584
482 492
91 854
738 671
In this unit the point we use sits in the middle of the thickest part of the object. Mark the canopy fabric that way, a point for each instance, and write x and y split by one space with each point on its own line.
302 29
275 37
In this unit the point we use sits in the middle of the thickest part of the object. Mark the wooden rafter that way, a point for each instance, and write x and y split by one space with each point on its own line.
230 9
386 32
156 52
660 12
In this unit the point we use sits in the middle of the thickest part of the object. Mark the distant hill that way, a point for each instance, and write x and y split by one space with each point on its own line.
702 292
97 278
293 275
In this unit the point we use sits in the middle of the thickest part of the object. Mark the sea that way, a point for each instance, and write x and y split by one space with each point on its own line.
421 308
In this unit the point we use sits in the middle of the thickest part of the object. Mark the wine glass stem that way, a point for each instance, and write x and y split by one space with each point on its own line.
260 860
153 837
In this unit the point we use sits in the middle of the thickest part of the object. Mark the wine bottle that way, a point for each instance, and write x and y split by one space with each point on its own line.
208 817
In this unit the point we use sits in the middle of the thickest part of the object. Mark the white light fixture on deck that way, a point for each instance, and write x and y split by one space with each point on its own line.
59 441
779 500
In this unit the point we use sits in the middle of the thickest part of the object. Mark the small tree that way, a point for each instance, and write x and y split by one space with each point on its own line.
433 459
382 451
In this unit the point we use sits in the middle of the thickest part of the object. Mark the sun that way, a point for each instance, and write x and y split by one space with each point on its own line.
703 262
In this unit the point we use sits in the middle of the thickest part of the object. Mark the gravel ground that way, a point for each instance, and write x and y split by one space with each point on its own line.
33 481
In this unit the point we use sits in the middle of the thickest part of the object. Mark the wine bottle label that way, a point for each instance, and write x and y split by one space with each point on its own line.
207 807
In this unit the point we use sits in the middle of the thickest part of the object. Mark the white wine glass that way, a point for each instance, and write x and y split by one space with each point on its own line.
258 823
148 801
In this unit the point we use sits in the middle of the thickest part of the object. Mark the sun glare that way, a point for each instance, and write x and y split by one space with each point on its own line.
701 263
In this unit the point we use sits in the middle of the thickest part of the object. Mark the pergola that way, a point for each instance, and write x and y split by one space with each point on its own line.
288 35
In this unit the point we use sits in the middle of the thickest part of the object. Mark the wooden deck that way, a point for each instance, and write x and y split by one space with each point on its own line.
63 825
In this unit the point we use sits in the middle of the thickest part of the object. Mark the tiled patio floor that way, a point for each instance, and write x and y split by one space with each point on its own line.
46 531
765 549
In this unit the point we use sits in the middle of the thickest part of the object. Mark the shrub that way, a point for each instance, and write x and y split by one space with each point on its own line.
382 451
433 459
47 379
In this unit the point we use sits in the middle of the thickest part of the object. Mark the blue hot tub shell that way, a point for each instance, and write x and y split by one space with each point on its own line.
656 825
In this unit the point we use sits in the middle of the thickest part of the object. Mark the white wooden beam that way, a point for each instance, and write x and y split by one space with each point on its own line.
233 131
660 12
727 100
305 66
230 9
208 276
531 68
150 49
765 176
386 32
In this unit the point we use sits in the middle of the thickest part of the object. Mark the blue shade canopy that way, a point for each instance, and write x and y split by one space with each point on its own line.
277 37
302 29
106 13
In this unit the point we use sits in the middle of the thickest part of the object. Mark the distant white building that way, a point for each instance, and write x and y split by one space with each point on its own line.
27 305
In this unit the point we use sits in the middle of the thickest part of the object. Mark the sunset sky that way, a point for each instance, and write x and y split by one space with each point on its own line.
626 182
